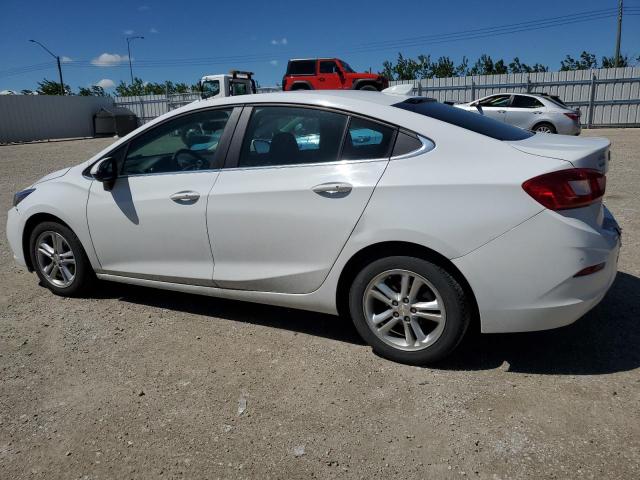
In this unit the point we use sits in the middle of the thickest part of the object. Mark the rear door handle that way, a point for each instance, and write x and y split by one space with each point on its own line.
186 196
332 188
502 111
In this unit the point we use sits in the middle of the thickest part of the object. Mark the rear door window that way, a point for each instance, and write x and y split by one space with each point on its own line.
291 135
523 101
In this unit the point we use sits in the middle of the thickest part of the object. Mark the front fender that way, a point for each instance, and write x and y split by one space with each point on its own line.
64 198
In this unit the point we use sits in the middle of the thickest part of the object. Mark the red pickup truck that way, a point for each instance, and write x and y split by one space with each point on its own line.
328 74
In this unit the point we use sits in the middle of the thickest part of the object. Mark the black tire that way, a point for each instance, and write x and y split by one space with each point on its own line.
368 87
84 276
457 306
300 86
545 127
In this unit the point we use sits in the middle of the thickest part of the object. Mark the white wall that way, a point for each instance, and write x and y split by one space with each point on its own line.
25 118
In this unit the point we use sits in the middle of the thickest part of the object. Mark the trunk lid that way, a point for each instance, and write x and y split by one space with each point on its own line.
581 152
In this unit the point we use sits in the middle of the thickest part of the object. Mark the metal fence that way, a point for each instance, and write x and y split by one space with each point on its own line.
148 107
607 97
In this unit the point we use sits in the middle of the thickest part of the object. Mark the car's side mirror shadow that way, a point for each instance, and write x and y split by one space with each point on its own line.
105 171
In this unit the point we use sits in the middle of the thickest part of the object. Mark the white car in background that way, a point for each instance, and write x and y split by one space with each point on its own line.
412 217
536 112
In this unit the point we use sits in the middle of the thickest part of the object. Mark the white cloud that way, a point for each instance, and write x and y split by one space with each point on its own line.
65 59
129 32
143 8
109 59
106 83
274 63
282 41
154 30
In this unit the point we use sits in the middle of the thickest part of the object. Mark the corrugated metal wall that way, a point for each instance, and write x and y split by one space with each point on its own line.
607 97
24 118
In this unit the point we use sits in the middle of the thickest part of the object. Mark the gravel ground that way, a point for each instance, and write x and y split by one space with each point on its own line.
137 383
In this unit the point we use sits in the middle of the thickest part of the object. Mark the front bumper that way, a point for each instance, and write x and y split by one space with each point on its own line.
14 236
524 280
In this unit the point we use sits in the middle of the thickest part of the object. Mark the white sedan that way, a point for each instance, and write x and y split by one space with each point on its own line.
412 217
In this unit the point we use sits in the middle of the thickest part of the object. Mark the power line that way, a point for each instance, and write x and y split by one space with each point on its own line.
423 40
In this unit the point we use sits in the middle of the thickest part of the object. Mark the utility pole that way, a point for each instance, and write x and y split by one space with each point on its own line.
619 35
129 53
62 92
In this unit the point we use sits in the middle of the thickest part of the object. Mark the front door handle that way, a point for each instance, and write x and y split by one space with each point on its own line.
502 111
185 197
333 189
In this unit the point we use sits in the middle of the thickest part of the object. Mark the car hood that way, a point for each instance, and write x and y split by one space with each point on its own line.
52 175
581 152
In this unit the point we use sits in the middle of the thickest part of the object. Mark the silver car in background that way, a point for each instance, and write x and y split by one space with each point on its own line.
537 112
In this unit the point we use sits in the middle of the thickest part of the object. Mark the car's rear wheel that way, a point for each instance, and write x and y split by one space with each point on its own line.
409 310
59 260
544 127
368 87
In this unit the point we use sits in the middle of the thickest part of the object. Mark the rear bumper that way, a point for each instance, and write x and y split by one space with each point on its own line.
524 280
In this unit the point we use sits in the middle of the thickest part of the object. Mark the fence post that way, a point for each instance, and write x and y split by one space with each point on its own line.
473 90
592 97
528 83
419 88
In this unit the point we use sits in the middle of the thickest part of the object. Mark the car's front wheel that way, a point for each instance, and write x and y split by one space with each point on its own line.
59 260
409 310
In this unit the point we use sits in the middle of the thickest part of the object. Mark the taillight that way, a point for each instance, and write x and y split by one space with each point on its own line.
573 116
572 188
284 83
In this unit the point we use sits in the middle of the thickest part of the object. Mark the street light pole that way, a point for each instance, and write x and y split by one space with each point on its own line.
62 92
131 71
129 53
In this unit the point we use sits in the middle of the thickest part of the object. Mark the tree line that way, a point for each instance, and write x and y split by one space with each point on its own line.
405 68
50 87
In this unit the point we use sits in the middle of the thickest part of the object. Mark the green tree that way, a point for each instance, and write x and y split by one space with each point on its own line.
92 91
610 62
443 68
585 62
49 87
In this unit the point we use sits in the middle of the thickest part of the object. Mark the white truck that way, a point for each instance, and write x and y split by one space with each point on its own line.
236 82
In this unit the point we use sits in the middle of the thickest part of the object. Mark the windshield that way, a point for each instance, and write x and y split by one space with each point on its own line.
461 118
347 68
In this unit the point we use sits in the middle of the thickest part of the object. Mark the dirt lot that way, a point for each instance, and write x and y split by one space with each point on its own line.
137 383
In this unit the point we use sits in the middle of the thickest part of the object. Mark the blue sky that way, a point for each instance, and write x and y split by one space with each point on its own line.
185 40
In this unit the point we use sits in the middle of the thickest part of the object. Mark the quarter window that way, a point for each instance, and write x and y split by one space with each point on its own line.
522 101
301 67
367 140
291 135
186 143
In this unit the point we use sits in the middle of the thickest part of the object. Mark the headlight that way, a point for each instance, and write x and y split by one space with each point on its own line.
21 195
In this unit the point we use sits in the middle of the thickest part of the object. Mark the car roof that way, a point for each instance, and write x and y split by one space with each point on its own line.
315 58
345 99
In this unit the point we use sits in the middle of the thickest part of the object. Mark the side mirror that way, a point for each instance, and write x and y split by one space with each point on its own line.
105 171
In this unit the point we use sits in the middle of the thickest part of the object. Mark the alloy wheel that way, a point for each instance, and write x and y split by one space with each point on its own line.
404 310
55 258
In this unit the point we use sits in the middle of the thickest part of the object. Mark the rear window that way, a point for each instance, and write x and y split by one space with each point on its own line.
461 118
302 67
